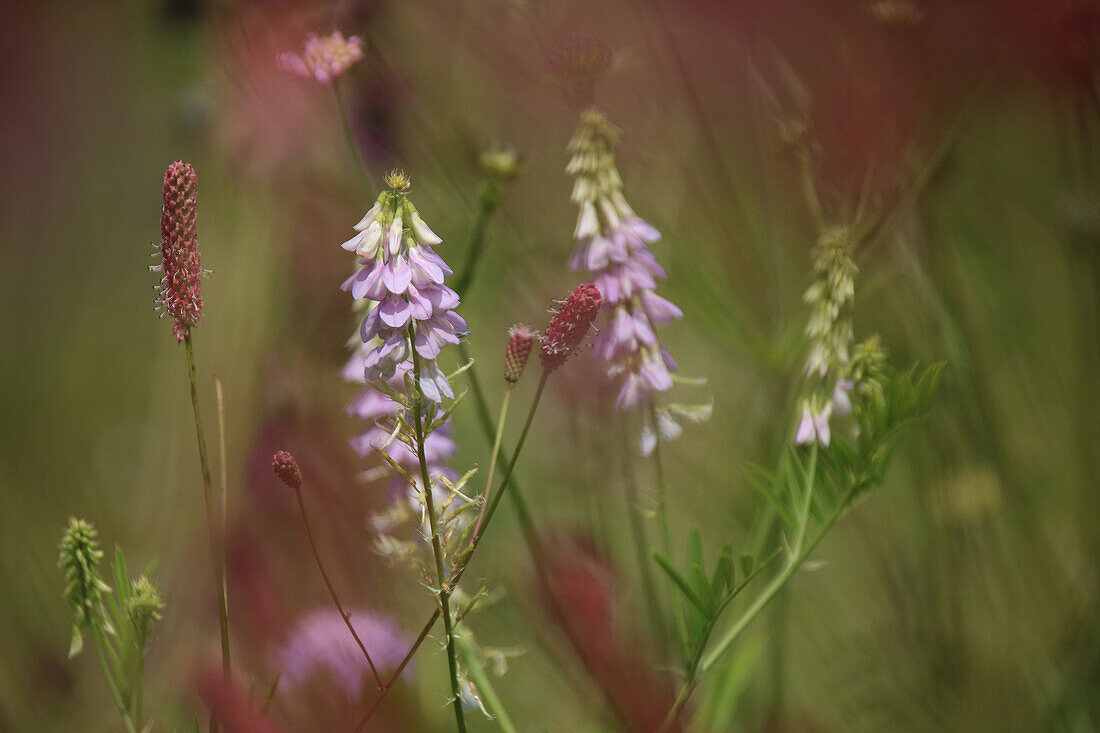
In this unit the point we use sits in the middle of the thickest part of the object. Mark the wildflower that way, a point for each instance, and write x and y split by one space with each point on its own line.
143 607
502 163
320 643
179 293
379 411
830 296
324 60
286 468
403 277
814 425
612 245
571 323
520 338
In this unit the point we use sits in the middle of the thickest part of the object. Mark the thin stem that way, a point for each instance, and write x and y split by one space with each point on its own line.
139 691
666 539
397 672
349 140
332 591
641 544
494 454
488 201
778 582
699 665
507 475
437 547
485 687
111 681
211 516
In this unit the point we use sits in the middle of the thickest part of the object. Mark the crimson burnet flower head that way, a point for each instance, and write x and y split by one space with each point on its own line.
324 60
180 294
570 325
286 468
520 338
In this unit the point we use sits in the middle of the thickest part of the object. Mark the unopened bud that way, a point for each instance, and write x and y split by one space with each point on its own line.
520 338
286 468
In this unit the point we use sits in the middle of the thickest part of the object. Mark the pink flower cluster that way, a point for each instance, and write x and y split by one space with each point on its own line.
403 277
324 60
379 411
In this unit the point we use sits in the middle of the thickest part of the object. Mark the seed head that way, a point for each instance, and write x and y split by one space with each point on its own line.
570 325
180 292
520 338
286 468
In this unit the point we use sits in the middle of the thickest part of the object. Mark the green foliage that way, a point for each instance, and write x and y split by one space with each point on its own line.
119 621
707 595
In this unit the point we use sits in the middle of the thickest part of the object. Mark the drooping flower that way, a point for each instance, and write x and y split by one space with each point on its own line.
612 246
814 425
323 59
179 292
320 643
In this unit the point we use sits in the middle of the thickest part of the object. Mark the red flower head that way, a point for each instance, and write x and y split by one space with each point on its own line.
570 325
180 293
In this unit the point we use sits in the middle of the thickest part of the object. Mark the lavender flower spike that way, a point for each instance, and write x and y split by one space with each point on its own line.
402 277
612 246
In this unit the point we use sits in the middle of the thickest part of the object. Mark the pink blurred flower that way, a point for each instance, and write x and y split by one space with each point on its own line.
324 60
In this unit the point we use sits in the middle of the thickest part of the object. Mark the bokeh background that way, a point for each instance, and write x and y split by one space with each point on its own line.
963 596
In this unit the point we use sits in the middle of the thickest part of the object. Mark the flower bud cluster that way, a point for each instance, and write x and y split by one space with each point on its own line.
79 558
520 340
829 333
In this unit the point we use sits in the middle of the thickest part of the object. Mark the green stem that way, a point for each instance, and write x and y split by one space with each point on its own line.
699 665
489 199
332 590
437 547
211 516
139 691
641 544
666 539
485 687
507 475
494 455
123 711
349 140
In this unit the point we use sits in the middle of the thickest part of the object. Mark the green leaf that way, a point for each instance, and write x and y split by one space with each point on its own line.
746 562
723 573
678 579
768 486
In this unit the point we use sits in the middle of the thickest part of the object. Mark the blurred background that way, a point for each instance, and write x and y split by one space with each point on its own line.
963 596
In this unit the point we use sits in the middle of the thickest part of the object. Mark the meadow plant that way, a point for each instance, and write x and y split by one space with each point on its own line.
409 388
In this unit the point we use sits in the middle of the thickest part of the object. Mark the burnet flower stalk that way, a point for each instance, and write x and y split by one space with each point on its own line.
286 468
180 296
